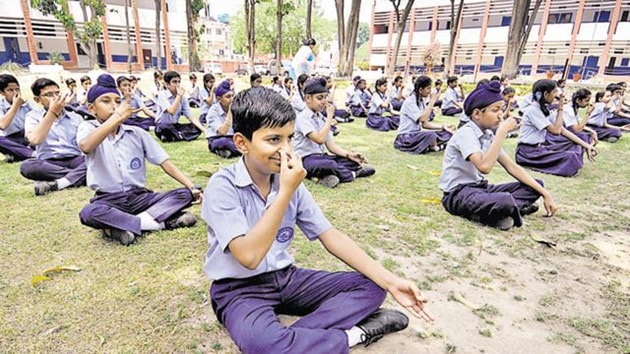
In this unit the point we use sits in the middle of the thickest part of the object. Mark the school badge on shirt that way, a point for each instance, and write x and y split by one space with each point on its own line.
135 164
284 234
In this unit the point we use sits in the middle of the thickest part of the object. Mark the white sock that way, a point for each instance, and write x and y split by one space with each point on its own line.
354 336
63 183
148 223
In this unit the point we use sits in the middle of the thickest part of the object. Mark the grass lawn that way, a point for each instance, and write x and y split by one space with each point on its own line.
153 297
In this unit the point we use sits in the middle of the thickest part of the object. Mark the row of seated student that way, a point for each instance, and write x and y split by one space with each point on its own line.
251 207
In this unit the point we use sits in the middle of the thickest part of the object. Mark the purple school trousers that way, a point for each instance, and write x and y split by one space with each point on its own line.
167 132
451 111
487 203
322 165
16 145
72 168
144 123
329 304
217 143
118 210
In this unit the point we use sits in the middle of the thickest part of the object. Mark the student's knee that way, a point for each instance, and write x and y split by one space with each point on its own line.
91 212
184 194
268 339
29 168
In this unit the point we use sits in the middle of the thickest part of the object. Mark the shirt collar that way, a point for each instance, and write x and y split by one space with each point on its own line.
478 132
242 178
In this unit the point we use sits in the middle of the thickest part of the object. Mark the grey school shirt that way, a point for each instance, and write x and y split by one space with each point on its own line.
456 168
118 163
17 124
164 100
233 205
308 122
410 113
61 140
600 115
534 126
216 118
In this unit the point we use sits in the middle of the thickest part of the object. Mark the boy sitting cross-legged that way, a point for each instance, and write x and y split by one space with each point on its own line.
255 206
115 155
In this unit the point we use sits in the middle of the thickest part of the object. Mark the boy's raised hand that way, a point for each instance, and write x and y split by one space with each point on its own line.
292 173
509 124
18 99
124 109
408 295
58 103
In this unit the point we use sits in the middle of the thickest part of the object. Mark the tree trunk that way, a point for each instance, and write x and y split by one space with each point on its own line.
520 28
129 48
192 65
89 44
401 23
309 15
158 34
352 28
454 28
341 38
250 22
279 15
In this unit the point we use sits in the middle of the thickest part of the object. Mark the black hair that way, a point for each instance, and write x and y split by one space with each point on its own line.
504 77
170 75
287 79
85 78
39 84
379 82
560 81
259 107
309 41
623 84
120 79
301 80
207 78
157 73
192 76
508 90
579 95
451 79
599 95
421 82
613 87
70 81
328 78
483 82
398 79
438 82
253 77
538 93
275 80
495 78
6 79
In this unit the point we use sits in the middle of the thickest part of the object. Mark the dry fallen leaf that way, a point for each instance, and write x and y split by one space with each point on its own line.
38 279
431 200
435 173
60 269
412 167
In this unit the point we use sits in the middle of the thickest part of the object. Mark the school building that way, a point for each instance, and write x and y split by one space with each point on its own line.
29 37
588 37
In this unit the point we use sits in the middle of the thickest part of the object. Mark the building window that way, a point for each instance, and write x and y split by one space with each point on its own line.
583 50
219 32
625 16
506 20
560 18
601 16
625 61
552 51
618 51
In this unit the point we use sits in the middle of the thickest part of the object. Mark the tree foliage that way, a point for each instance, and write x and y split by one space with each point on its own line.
363 36
293 28
92 27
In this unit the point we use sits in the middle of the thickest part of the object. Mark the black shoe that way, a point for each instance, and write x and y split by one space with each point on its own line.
44 187
380 323
365 171
124 237
185 219
529 209
330 181
336 132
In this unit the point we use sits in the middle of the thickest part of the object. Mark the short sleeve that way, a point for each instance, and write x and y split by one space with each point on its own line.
468 143
222 211
32 119
411 109
153 152
305 125
538 119
84 129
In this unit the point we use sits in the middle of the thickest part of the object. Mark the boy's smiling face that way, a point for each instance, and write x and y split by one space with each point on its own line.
262 153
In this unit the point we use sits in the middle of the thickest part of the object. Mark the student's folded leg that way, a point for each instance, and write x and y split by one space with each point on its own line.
320 166
102 215
18 151
246 308
475 202
329 300
43 170
76 177
523 194
161 206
